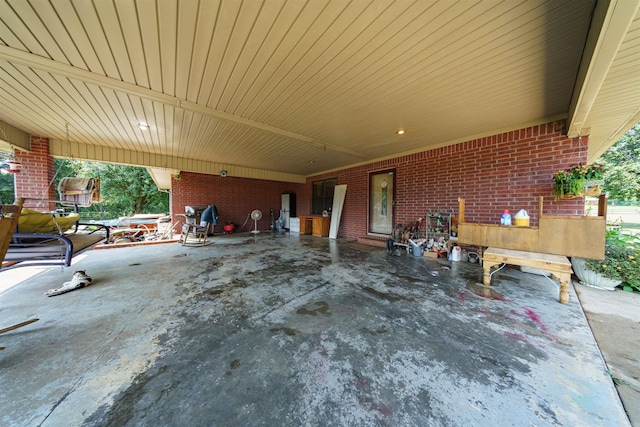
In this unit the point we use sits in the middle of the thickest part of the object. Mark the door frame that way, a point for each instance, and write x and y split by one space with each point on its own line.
389 171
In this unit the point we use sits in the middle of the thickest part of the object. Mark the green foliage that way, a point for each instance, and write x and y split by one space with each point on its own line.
7 194
572 182
621 255
622 162
126 190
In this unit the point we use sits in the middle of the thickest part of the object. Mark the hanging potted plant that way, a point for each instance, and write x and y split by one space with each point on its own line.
578 181
619 266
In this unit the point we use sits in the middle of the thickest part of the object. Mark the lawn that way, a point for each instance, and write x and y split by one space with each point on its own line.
627 216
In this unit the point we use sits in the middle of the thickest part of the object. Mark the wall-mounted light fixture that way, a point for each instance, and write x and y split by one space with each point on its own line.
223 173
400 131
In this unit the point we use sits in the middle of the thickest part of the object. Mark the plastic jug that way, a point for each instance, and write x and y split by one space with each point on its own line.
505 219
456 253
521 219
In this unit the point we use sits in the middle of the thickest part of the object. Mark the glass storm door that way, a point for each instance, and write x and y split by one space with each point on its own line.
381 188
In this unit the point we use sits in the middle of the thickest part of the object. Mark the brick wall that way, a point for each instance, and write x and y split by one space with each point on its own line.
505 171
35 181
234 198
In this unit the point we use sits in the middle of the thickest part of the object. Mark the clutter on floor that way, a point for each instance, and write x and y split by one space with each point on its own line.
78 281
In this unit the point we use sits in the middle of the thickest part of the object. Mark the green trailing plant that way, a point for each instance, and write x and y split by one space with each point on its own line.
621 254
573 181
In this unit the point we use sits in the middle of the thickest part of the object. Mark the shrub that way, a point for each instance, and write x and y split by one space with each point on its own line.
621 255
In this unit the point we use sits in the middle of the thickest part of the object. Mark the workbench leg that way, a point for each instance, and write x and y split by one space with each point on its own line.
564 288
487 273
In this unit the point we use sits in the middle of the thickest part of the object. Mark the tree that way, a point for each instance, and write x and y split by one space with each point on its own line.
125 190
622 163
7 194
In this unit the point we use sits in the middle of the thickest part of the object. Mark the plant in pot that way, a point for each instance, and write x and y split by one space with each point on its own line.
576 181
619 266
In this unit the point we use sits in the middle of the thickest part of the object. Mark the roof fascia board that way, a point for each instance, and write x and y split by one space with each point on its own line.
609 25
596 153
11 137
162 177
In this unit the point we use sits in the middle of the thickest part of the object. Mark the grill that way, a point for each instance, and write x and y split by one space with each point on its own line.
193 214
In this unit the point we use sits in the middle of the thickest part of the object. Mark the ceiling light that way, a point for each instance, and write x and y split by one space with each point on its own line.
143 126
400 131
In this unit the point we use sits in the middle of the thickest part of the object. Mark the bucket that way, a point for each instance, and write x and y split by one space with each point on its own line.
417 250
456 253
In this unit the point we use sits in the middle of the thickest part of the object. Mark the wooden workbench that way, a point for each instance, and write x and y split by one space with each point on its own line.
558 266
567 235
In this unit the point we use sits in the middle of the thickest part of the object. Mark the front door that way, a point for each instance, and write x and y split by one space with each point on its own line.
381 188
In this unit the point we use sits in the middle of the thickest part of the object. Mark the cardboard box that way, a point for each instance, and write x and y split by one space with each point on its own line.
430 254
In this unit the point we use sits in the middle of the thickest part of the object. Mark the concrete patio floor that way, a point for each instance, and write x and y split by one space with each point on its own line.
286 330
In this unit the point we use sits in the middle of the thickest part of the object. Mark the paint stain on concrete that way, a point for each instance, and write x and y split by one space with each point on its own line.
385 295
287 331
318 307
382 329
215 292
515 336
533 316
123 409
410 279
485 291
238 283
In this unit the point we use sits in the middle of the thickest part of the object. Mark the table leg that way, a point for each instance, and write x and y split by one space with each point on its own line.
487 273
564 288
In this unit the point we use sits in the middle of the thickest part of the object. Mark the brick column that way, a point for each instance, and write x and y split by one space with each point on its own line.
35 180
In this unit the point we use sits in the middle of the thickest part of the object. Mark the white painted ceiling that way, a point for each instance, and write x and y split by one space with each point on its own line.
286 89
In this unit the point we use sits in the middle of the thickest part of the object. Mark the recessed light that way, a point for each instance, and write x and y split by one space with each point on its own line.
143 126
400 131
312 161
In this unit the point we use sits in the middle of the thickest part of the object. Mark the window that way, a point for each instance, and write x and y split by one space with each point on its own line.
322 197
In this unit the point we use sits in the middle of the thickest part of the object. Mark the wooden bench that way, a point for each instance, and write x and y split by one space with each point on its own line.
558 266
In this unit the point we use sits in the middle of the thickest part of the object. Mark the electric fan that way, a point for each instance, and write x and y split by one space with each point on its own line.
256 215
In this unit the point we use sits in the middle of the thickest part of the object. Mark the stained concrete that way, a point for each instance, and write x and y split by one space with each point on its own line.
283 330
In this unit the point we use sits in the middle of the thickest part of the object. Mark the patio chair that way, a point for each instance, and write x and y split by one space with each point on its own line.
196 234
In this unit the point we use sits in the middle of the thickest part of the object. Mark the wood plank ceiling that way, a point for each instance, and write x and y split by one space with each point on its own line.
282 89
